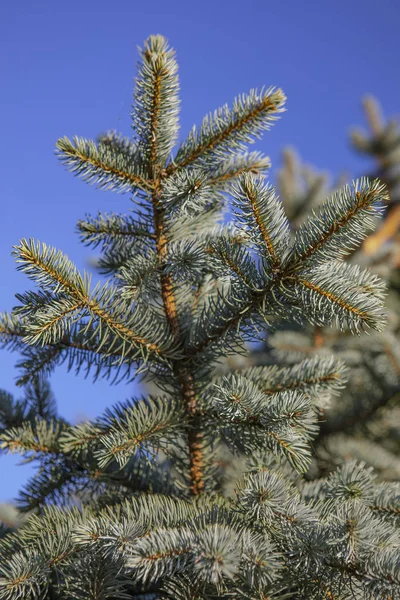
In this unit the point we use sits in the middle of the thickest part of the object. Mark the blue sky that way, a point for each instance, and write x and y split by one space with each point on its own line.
67 68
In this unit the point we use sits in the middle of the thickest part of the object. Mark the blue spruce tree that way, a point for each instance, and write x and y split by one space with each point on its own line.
197 491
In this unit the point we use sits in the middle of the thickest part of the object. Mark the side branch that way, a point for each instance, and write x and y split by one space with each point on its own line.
363 201
53 270
252 197
237 122
106 229
125 332
334 298
96 164
253 163
340 225
299 385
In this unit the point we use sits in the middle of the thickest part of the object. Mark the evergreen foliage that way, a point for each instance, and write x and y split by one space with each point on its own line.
364 421
199 490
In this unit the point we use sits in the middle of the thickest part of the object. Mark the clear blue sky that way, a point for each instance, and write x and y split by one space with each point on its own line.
67 68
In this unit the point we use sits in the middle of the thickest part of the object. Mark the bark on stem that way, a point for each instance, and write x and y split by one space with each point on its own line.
181 371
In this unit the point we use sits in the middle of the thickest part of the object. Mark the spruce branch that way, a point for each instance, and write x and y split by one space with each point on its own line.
102 165
229 129
361 280
148 424
158 555
324 299
259 210
303 285
283 422
106 229
156 109
33 438
51 269
23 576
340 225
319 378
81 349
254 163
